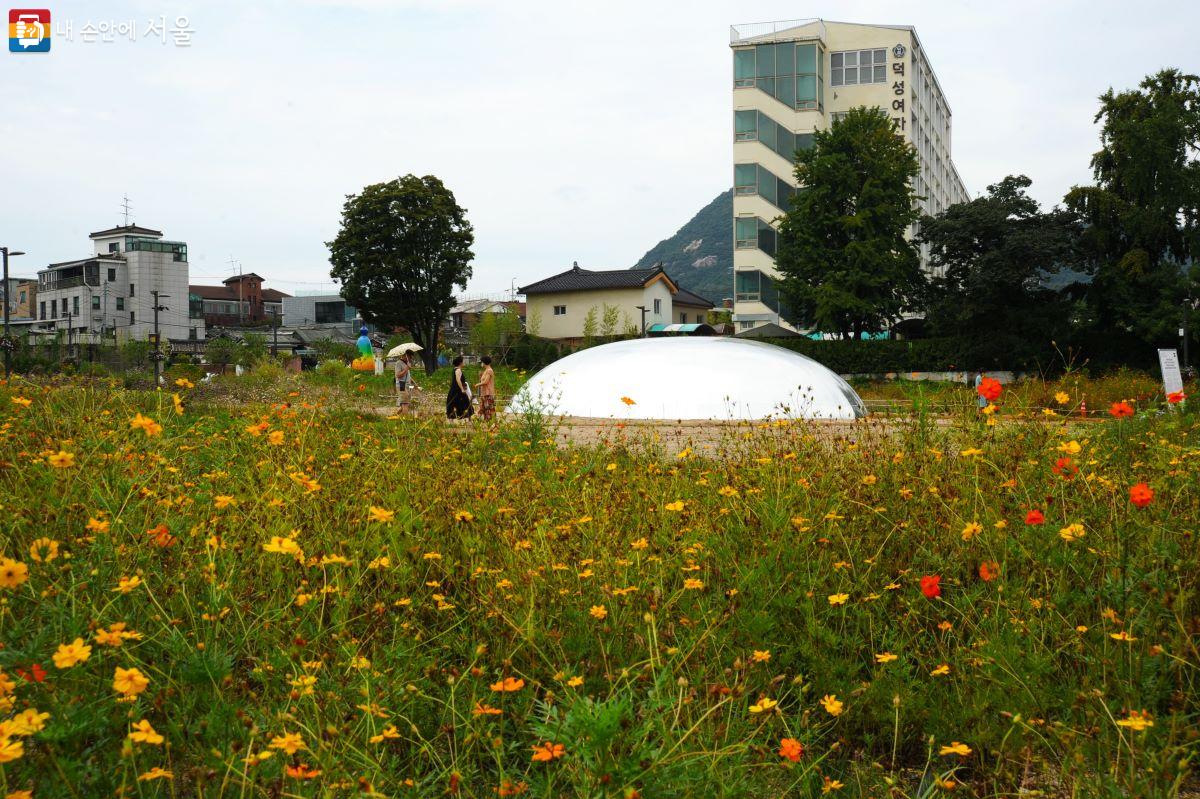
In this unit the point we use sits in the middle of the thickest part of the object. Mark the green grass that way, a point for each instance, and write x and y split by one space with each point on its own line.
497 557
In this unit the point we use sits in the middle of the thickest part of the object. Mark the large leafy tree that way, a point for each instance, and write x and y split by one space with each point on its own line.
1141 216
402 248
846 264
993 260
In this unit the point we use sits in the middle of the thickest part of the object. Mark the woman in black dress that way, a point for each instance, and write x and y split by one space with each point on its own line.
458 401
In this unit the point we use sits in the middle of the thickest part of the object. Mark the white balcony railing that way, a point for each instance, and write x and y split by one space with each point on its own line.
783 30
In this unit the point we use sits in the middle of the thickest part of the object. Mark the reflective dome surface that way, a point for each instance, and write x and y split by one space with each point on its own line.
695 377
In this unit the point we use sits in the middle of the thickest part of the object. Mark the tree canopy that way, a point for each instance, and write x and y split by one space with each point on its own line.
991 259
1141 217
846 264
402 247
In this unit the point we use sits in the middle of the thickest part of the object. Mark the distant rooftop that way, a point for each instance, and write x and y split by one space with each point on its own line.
789 29
125 229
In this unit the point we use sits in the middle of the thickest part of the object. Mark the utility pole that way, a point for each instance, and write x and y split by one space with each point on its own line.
274 333
69 332
156 354
7 343
642 308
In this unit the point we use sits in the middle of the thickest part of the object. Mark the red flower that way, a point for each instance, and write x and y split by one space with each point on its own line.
989 570
1066 467
1122 408
989 389
931 586
1035 516
1176 396
35 674
1141 495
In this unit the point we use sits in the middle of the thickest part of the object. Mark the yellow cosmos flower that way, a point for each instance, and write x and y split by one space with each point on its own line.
833 706
12 573
598 612
1072 532
43 550
838 599
129 682
146 425
971 530
761 655
940 671
127 584
95 525
692 584
763 705
144 733
675 506
1062 397
25 723
1137 720
955 748
62 459
70 654
156 773
1070 447
387 733
381 515
290 742
275 438
885 657
283 546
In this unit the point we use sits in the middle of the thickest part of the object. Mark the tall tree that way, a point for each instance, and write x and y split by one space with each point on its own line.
993 258
1142 215
402 248
846 263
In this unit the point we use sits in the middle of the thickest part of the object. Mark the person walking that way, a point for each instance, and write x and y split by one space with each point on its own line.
487 390
458 399
980 399
405 384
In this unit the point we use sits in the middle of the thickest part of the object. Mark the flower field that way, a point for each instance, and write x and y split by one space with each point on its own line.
298 598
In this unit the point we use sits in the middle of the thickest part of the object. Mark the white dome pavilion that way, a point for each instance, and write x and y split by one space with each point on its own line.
694 377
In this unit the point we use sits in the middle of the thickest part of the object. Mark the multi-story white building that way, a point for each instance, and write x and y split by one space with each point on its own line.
109 295
793 78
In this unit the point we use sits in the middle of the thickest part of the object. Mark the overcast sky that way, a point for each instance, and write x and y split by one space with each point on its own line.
569 132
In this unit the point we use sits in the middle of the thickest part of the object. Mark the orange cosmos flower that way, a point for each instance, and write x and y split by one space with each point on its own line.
1141 495
508 685
989 570
791 749
548 751
989 389
1120 409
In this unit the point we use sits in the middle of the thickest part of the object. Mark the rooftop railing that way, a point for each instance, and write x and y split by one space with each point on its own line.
783 30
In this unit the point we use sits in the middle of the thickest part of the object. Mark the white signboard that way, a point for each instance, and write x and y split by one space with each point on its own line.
1168 362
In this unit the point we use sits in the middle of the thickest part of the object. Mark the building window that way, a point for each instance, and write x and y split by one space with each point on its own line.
75 305
750 232
745 325
757 179
857 67
683 319
791 73
560 310
132 318
22 296
325 312
120 303
837 116
54 309
191 334
657 307
114 247
95 302
132 293
112 275
757 126
42 310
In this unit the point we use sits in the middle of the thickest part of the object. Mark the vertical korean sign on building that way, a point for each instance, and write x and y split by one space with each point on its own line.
898 122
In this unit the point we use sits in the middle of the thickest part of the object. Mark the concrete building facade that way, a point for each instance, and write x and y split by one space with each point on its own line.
109 295
793 78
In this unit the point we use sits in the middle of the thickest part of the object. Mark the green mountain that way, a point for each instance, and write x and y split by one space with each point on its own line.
700 255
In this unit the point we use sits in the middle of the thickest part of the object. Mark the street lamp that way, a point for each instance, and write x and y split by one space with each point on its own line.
6 343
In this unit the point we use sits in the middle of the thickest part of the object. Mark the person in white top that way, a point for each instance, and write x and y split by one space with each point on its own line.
405 384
